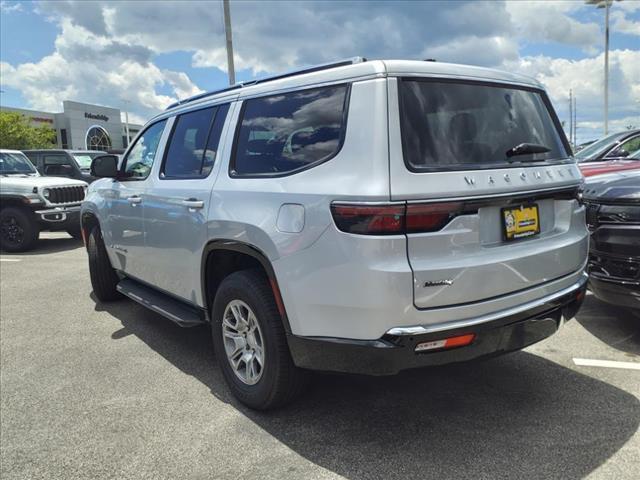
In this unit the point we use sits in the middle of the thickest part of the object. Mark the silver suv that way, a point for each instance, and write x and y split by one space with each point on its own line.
363 216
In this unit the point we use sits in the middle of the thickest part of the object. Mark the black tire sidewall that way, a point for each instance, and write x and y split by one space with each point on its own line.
28 225
234 288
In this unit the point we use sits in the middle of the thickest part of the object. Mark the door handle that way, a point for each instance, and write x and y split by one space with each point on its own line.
193 203
134 199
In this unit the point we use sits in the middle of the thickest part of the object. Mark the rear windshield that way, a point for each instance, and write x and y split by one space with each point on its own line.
450 125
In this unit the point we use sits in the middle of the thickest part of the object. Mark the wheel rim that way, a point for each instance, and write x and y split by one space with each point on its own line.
12 232
243 342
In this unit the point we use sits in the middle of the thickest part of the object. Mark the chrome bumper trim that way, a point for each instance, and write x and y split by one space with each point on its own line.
61 212
421 329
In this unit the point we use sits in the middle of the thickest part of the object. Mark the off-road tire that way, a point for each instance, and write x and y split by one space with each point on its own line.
19 232
281 381
103 277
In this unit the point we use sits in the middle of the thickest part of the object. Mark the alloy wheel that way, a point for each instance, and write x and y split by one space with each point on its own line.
243 343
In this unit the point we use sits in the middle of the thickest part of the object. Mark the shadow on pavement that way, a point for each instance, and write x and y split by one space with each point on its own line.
619 329
515 416
45 246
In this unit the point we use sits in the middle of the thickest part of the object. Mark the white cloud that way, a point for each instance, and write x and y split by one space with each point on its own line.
10 7
91 68
586 79
550 21
621 23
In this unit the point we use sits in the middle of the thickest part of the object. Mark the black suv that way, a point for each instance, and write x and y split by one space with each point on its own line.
613 217
64 163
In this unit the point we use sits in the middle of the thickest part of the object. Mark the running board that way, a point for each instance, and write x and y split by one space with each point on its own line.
175 310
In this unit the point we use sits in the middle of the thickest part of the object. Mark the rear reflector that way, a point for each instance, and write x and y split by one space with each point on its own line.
394 219
445 343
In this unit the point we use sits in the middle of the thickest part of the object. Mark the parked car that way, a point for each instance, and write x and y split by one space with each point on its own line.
30 203
64 163
613 147
362 217
613 217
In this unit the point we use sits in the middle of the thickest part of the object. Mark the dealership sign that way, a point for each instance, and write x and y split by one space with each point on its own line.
93 116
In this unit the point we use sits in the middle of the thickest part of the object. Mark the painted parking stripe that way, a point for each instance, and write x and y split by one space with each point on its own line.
10 260
587 362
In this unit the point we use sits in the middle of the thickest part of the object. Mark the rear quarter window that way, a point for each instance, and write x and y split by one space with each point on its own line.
286 133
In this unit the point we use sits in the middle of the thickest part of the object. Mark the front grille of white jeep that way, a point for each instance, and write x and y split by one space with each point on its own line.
66 194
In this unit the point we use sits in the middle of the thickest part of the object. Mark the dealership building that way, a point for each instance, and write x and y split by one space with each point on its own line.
83 126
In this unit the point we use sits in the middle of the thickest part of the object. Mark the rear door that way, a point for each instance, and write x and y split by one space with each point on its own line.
176 206
482 223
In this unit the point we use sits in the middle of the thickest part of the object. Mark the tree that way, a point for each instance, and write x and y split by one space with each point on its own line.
17 133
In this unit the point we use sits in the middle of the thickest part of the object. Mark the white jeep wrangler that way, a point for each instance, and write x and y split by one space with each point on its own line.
30 203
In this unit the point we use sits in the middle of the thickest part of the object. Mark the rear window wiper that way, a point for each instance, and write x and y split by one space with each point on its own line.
526 149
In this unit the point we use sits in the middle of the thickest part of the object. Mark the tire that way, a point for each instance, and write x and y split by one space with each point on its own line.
103 277
75 232
280 381
19 232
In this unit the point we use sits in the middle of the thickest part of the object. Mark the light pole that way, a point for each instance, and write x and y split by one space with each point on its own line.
606 4
126 122
227 31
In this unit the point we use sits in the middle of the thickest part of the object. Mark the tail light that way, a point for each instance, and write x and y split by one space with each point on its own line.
394 219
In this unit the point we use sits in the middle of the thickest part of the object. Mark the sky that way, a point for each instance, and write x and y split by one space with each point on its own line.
142 56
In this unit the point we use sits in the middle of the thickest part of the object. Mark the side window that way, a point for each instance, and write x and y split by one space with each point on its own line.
285 133
138 162
631 146
211 152
194 143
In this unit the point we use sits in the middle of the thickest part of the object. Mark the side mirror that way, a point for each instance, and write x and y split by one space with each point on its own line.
105 166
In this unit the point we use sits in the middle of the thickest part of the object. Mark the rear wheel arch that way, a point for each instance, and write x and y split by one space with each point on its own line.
222 258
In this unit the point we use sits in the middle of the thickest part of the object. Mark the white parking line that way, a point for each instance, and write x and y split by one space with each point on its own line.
10 260
587 362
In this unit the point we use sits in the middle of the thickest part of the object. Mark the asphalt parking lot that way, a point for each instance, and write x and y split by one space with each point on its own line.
114 391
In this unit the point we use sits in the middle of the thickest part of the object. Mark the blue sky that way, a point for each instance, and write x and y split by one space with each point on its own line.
147 54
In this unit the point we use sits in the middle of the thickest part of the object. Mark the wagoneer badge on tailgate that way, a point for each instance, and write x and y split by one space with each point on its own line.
437 283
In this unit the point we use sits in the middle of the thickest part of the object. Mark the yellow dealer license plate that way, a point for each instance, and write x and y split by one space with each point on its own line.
520 222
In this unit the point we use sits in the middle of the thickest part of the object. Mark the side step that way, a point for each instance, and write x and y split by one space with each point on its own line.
175 310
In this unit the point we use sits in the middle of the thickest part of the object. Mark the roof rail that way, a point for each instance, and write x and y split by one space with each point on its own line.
292 73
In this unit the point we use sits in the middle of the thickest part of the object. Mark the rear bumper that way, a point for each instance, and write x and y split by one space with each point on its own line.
395 351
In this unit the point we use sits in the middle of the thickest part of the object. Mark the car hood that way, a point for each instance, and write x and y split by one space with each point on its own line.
40 182
619 187
598 168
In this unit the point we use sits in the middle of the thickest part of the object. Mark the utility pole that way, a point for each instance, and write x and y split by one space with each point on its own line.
575 120
227 31
571 119
126 122
606 68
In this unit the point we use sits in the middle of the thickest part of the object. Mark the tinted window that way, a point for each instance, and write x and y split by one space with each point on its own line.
630 146
194 143
138 162
472 125
284 133
213 142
